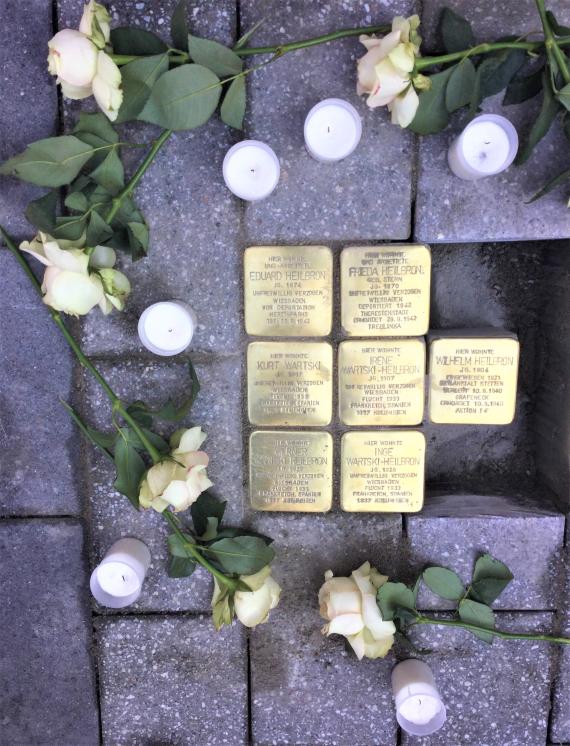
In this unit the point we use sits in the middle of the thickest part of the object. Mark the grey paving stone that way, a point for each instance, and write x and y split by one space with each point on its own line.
48 690
450 209
172 680
38 475
453 530
560 717
217 410
194 220
299 678
495 695
25 86
366 196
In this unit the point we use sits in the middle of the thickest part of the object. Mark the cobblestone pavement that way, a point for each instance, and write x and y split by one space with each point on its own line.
74 674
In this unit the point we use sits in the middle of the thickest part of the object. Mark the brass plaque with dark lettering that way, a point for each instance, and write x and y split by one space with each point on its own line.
385 290
381 382
473 379
383 471
290 471
289 384
288 291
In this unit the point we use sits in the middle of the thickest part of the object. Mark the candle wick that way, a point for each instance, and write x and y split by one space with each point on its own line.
487 142
124 579
170 330
328 129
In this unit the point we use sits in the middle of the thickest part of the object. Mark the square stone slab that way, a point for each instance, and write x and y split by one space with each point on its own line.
453 530
48 682
39 463
495 694
172 680
493 208
320 201
217 410
298 675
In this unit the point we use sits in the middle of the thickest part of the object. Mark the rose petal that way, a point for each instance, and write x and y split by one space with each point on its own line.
345 624
404 107
191 440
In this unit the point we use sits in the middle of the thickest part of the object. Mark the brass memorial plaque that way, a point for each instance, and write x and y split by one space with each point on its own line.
381 382
288 291
383 471
289 384
473 378
290 471
385 290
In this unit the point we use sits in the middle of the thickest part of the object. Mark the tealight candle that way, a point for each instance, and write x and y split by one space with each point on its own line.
251 170
167 328
487 146
333 129
117 581
419 709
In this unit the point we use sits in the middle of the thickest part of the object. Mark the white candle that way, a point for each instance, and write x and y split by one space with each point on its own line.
419 709
332 130
487 146
117 581
251 170
167 328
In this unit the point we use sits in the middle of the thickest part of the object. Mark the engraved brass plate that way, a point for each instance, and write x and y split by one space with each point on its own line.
473 380
381 382
288 291
385 290
289 383
383 471
290 471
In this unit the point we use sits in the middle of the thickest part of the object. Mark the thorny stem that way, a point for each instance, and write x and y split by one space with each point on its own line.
497 633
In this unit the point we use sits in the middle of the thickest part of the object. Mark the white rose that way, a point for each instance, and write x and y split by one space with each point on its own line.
349 605
179 480
67 284
95 23
384 73
107 86
253 608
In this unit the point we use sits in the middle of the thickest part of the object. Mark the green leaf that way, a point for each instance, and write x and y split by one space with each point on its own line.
77 201
70 228
213 55
177 547
211 531
563 96
432 115
393 596
138 239
133 439
490 578
130 469
242 41
136 41
242 555
546 116
179 26
52 162
222 611
550 185
497 71
173 412
96 124
444 583
138 78
103 441
455 31
181 567
206 506
523 87
139 412
110 174
232 110
183 99
98 230
460 86
481 615
555 26
41 212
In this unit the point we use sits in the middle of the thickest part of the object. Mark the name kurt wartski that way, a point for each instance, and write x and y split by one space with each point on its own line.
306 365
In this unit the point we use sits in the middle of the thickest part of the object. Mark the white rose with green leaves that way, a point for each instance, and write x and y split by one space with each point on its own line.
250 607
71 284
82 66
180 479
385 72
349 605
